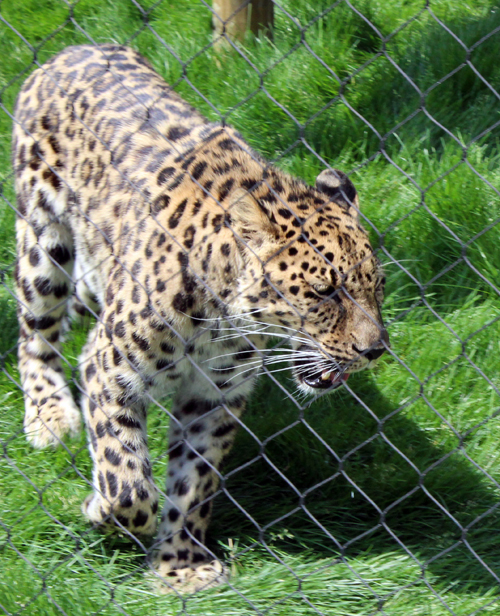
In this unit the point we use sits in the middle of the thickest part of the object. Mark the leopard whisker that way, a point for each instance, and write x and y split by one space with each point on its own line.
264 351
306 368
245 330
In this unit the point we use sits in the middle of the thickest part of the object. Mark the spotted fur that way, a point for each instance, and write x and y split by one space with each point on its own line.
191 250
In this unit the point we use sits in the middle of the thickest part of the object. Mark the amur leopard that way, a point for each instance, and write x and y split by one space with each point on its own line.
191 250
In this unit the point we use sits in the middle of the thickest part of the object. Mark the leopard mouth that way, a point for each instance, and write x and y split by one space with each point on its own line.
316 379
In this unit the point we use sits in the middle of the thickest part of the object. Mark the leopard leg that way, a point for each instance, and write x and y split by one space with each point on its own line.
202 432
115 414
43 282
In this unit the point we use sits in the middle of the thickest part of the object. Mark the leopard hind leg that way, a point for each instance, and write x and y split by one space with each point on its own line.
45 257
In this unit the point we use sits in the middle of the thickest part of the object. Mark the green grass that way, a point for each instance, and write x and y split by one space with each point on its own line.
417 439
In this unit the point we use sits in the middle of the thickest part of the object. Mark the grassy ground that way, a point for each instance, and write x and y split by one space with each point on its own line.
418 438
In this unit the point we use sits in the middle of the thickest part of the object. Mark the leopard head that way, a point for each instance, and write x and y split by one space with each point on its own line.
311 275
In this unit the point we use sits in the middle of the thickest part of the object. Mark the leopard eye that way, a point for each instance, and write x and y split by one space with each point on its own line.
324 289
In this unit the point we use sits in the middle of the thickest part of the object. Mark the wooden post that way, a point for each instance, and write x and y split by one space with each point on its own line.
232 17
262 17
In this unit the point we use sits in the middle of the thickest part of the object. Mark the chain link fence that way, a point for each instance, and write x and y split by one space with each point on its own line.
383 497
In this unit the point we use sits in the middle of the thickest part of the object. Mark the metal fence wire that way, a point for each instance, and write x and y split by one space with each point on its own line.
340 503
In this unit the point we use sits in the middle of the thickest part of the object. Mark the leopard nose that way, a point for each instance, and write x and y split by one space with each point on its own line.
374 354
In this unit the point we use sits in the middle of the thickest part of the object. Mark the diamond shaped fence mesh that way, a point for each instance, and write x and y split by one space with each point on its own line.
380 497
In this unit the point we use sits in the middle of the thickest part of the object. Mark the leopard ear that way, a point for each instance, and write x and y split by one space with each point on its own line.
251 222
339 188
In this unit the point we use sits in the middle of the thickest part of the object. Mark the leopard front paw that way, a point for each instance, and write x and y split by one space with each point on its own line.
49 421
189 579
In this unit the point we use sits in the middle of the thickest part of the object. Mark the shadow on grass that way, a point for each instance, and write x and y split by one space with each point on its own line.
424 512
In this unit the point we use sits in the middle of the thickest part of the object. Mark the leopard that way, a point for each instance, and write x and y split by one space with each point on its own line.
192 252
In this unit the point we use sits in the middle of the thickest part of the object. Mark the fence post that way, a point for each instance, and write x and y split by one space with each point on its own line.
232 17
262 17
